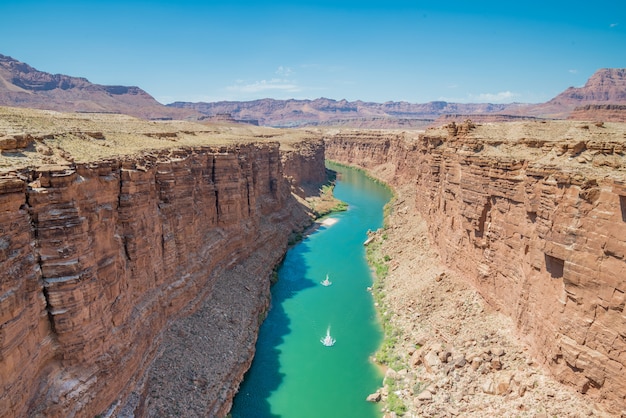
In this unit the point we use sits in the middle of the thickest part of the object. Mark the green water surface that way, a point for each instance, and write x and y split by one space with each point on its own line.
293 375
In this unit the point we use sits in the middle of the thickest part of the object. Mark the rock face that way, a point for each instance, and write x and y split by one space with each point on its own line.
534 215
99 259
480 118
302 168
600 113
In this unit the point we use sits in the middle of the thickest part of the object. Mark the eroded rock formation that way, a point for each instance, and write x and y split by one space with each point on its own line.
99 259
534 215
600 113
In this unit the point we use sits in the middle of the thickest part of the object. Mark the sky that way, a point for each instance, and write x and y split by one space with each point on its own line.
393 50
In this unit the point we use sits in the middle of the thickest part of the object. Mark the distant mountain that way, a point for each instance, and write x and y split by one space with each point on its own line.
606 86
602 97
325 112
23 86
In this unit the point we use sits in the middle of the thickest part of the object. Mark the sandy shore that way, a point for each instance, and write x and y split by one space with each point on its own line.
329 221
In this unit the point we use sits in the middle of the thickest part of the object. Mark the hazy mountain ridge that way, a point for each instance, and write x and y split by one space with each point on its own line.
324 111
24 86
606 86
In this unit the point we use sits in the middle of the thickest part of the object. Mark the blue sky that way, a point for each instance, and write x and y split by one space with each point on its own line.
394 50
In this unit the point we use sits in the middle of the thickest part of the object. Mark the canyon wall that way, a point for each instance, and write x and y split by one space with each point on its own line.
302 167
100 259
534 215
599 113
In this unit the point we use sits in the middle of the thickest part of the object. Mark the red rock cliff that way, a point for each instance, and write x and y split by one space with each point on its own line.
98 259
534 215
302 167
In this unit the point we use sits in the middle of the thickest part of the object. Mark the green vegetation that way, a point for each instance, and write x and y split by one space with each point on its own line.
294 238
380 263
340 207
325 202
420 387
394 403
274 276
326 192
388 352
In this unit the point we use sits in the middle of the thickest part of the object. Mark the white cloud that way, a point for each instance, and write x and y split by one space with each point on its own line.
283 83
284 71
502 96
572 71
612 25
275 84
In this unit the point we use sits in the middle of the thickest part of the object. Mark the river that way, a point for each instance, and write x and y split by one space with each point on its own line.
293 374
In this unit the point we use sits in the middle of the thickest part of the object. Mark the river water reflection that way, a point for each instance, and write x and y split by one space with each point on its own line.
293 374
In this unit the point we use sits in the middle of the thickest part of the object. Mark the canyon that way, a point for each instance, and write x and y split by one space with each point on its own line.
136 258
108 263
531 216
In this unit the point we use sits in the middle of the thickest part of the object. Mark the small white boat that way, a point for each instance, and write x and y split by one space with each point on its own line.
328 341
326 282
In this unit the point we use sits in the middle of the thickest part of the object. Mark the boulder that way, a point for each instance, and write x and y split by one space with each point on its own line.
374 397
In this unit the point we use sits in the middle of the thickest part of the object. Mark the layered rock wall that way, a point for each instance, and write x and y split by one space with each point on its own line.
600 113
302 167
534 215
99 258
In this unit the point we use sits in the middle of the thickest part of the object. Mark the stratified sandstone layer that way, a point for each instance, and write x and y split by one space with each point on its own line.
102 260
303 169
600 113
534 215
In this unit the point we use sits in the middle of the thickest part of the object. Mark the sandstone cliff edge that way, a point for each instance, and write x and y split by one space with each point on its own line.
110 263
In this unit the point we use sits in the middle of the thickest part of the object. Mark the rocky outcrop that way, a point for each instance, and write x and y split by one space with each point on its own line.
533 215
102 261
600 113
480 118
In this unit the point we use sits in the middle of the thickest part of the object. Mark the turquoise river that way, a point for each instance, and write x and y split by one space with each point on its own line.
293 374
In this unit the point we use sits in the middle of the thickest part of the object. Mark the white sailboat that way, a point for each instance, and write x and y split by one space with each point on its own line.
326 282
328 341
